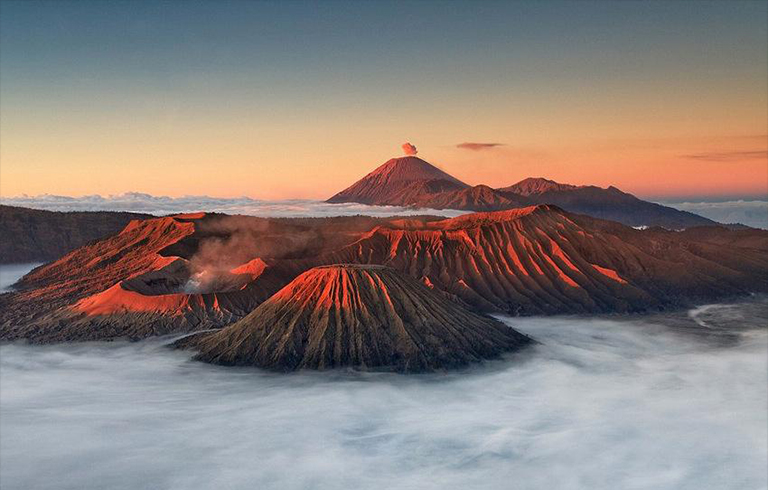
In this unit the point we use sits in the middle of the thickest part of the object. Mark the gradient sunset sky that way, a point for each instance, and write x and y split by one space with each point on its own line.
300 99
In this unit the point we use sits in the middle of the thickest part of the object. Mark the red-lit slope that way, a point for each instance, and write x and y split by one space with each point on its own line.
180 274
365 317
120 287
165 275
397 181
543 260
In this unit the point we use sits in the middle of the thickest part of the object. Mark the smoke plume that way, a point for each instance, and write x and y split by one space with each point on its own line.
409 149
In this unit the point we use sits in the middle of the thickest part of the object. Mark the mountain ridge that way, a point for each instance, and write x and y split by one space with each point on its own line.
413 182
147 279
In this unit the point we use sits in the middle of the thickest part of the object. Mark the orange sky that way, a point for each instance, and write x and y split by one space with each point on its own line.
658 99
235 164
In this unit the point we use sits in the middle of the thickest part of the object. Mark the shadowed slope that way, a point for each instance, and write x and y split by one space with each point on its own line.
611 203
477 198
361 316
32 235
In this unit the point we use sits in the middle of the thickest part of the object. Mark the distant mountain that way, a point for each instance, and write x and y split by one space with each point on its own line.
477 198
192 272
537 186
610 203
391 182
411 181
360 316
31 235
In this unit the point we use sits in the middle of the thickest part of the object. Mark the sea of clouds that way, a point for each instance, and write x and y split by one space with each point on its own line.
644 403
160 205
752 213
10 273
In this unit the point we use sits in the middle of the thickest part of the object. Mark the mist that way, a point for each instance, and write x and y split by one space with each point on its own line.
752 213
138 202
10 273
667 402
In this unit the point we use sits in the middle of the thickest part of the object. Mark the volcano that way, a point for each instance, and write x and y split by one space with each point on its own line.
188 273
412 182
359 316
397 181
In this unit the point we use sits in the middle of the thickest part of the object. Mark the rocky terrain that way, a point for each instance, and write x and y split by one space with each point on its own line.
411 181
360 316
201 271
31 235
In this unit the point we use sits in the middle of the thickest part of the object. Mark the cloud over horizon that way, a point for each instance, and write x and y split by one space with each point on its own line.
727 156
137 202
750 213
478 146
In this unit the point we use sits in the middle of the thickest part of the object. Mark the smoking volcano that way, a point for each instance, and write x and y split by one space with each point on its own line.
193 272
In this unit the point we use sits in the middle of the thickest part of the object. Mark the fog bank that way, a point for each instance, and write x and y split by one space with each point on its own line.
750 213
10 273
651 403
161 205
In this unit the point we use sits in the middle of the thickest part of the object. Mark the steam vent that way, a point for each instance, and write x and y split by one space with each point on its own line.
367 317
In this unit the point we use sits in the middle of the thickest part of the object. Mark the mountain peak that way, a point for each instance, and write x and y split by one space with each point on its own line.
536 185
411 168
389 180
360 316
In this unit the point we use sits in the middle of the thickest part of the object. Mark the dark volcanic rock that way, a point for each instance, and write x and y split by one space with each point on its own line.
360 316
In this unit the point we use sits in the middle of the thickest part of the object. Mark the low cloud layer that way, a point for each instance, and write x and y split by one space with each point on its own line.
750 213
663 403
10 273
160 205
478 146
728 156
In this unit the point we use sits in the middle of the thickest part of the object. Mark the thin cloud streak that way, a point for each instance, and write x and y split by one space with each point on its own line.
478 146
728 156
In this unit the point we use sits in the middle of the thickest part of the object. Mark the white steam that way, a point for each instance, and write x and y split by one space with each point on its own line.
600 404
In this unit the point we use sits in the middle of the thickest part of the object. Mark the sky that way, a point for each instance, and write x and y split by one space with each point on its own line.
667 100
